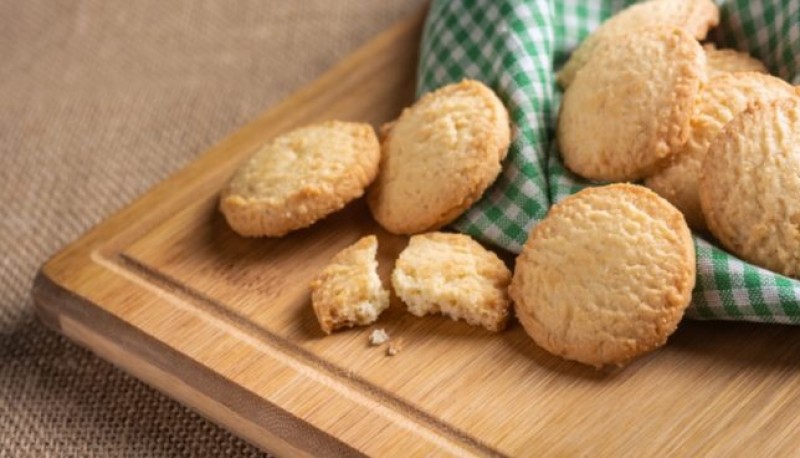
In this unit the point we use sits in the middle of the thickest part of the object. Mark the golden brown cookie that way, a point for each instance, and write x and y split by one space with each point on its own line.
731 60
349 292
439 157
693 16
750 184
606 276
453 275
725 96
631 107
301 177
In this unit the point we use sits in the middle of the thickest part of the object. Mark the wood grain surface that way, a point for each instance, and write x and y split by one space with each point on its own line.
166 291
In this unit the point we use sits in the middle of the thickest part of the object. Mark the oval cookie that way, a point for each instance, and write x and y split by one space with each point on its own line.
439 157
725 96
630 106
606 276
694 16
301 177
750 183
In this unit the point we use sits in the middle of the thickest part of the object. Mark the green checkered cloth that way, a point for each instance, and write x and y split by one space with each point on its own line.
515 46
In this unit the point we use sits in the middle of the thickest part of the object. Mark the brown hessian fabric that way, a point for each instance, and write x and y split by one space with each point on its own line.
100 100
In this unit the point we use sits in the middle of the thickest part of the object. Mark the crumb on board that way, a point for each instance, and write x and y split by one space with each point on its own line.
394 347
378 337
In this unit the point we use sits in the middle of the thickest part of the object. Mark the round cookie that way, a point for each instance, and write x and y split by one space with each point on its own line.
694 16
731 60
750 183
606 276
629 107
300 177
439 157
725 96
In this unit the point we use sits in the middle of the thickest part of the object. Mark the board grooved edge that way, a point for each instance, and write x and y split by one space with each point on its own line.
214 308
295 433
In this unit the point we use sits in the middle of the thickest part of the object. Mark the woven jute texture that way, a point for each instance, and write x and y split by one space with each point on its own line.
99 100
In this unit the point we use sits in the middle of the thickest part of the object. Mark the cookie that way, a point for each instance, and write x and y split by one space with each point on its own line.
731 60
606 276
349 292
629 108
693 16
725 96
439 157
301 177
750 183
453 275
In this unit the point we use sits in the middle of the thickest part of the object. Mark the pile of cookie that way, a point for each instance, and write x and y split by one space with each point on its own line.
708 129
609 272
429 166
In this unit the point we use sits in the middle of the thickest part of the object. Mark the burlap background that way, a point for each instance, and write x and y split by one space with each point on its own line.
99 100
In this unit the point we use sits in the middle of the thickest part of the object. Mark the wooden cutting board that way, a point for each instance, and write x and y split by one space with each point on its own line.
223 324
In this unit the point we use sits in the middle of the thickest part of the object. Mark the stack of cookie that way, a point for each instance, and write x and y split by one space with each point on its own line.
431 165
708 130
608 274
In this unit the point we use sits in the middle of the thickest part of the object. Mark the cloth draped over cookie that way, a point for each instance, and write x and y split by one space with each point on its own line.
516 47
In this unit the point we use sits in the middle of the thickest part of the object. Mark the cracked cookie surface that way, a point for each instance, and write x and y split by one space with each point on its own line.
300 177
629 108
606 276
694 16
439 157
750 183
725 96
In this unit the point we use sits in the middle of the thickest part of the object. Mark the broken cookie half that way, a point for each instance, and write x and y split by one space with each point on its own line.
453 275
349 292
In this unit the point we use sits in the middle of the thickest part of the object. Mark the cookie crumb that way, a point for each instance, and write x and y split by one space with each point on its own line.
394 347
378 337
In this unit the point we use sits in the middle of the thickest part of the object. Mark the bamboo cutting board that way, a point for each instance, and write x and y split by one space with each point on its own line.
167 292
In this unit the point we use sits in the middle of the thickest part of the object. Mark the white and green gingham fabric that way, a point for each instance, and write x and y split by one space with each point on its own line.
516 46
